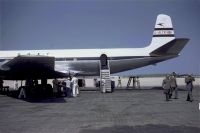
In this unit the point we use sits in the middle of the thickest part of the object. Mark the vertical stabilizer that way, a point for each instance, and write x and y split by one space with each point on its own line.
163 32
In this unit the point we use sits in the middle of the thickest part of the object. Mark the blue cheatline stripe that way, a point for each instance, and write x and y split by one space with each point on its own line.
97 58
169 35
163 29
90 58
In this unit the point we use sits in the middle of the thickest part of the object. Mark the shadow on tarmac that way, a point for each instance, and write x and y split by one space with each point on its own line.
46 100
144 129
39 99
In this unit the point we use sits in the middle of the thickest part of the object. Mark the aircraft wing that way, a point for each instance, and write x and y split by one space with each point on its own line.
30 67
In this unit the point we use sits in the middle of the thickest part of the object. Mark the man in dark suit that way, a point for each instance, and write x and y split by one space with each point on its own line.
189 85
173 85
166 87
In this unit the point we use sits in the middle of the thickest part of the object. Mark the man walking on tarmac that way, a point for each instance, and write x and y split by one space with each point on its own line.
189 85
173 85
138 82
68 86
75 88
55 87
166 87
119 82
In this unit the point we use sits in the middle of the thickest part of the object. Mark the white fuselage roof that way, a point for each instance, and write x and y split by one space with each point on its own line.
74 53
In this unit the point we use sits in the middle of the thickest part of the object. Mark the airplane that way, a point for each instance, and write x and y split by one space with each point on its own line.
37 64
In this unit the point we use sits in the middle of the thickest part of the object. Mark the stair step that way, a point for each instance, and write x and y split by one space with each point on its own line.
105 71
106 78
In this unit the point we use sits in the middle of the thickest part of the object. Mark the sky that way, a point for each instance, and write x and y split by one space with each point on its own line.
78 24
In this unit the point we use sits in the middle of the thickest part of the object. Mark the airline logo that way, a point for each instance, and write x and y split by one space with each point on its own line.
161 24
163 32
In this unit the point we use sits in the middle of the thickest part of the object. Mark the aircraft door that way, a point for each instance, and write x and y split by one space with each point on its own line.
104 61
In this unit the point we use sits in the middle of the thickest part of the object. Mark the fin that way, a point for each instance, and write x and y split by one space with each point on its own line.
163 32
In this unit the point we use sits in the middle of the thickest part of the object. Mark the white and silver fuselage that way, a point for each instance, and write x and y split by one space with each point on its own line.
86 61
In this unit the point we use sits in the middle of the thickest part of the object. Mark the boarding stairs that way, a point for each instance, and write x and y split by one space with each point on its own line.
105 79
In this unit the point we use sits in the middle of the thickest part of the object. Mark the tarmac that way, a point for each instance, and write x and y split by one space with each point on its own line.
123 111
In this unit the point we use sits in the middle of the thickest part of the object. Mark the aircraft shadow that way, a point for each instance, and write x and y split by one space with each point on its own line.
39 99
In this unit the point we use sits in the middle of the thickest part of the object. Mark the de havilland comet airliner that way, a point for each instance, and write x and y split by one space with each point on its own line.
24 64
